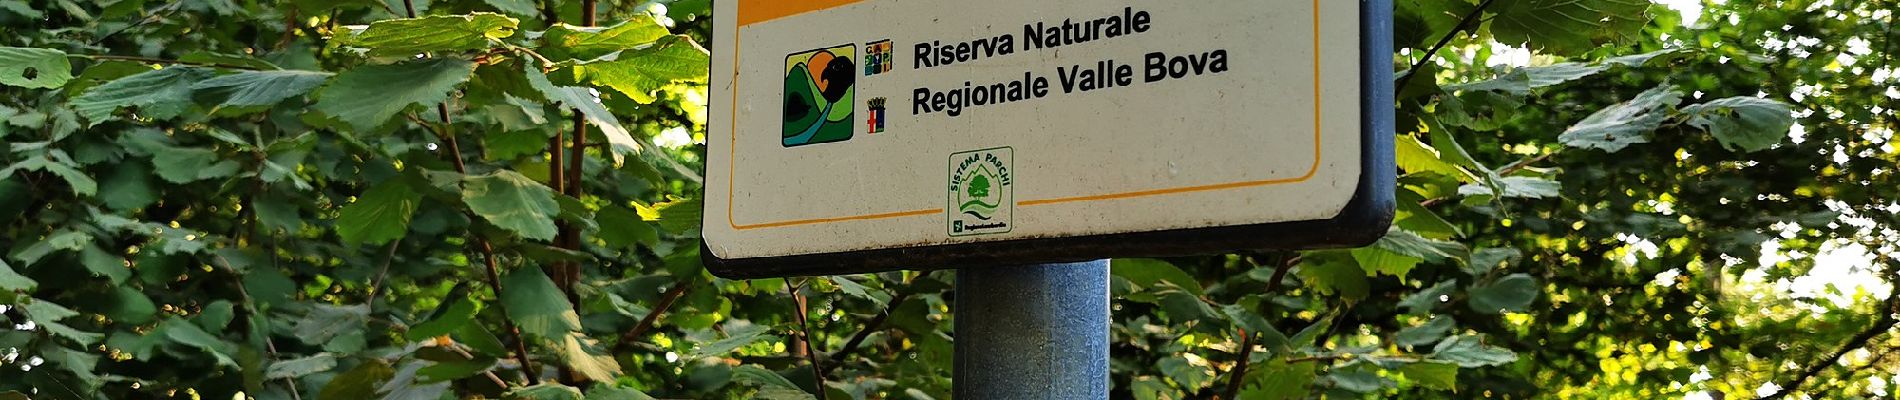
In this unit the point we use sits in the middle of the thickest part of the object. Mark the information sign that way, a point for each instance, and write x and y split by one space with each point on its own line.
849 136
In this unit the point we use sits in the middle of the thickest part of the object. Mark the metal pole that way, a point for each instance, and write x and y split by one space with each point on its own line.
1032 332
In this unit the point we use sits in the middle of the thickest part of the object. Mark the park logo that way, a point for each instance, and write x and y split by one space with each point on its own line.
877 58
982 198
874 111
820 92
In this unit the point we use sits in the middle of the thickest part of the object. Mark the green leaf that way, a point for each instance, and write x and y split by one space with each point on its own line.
104 264
444 371
458 314
623 228
1428 333
639 73
1278 380
582 355
1332 274
57 241
1412 216
609 392
1745 124
1429 299
47 315
129 306
584 101
34 67
1568 26
300 367
13 281
1522 80
1469 351
160 94
1186 373
129 187
277 215
1410 244
1624 124
1487 259
681 216
261 88
523 8
326 322
239 60
186 333
1512 293
479 339
537 306
1416 157
359 383
508 146
1257 325
1435 375
1519 187
412 36
58 164
513 202
564 42
737 337
770 383
19 7
191 164
1358 381
1147 273
546 391
382 214
1183 307
81 364
368 96
1376 261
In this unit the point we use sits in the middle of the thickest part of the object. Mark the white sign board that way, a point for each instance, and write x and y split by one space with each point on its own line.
883 130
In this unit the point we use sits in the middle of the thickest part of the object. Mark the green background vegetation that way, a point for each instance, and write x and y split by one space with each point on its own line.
1599 199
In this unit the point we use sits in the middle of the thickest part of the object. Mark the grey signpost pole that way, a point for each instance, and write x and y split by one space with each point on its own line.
1032 332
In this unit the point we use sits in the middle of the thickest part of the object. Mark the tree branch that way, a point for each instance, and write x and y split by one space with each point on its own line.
162 61
1236 377
817 369
666 301
1886 322
487 250
875 324
1463 25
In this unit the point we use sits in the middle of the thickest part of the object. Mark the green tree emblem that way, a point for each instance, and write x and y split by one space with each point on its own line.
979 187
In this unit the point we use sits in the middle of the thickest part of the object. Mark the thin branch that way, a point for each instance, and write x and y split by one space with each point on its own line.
383 273
817 369
1239 374
149 60
1442 42
1520 165
1507 170
494 283
250 307
157 14
446 132
1889 317
666 301
875 324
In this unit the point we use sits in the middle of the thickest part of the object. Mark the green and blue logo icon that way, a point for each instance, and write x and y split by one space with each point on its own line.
820 96
982 192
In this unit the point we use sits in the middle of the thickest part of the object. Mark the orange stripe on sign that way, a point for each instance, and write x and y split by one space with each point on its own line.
756 11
